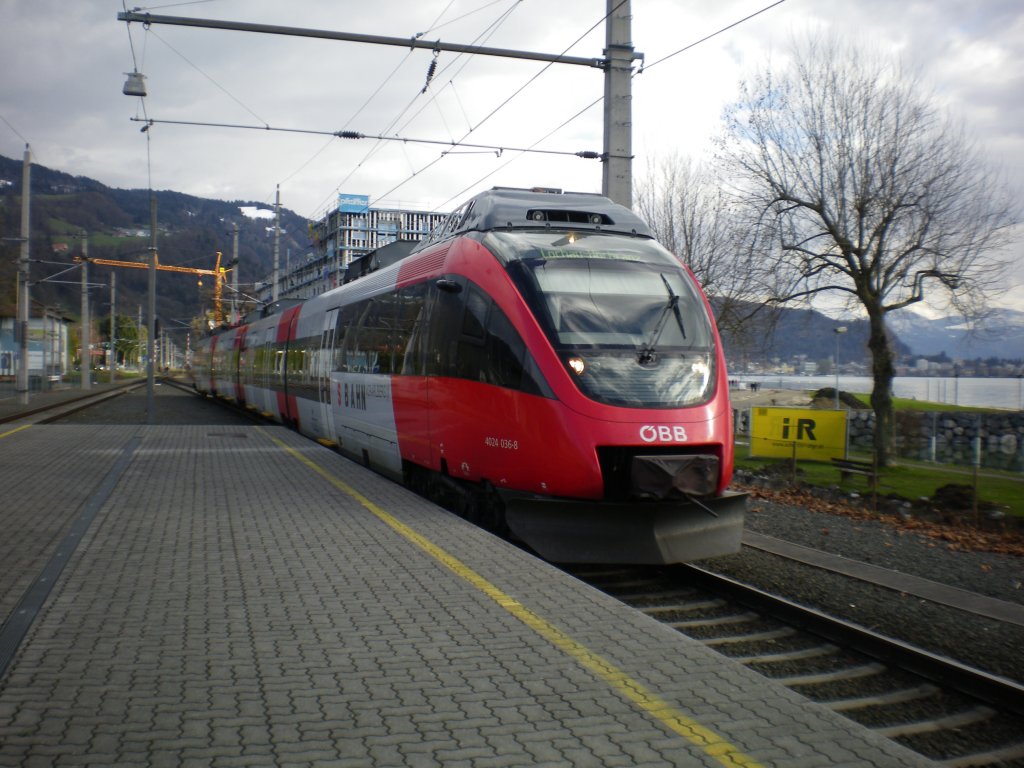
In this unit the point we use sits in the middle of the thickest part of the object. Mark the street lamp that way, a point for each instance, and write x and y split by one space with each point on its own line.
835 361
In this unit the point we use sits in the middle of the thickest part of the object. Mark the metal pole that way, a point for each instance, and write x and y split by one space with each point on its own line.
23 278
85 339
835 363
840 330
617 173
113 329
277 246
150 350
234 274
47 350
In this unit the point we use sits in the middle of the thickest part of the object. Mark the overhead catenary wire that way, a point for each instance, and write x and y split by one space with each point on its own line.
704 39
504 103
131 43
498 149
481 38
208 77
13 129
598 101
382 138
464 16
513 159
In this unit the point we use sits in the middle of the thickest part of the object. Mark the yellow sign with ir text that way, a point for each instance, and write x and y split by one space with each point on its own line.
803 433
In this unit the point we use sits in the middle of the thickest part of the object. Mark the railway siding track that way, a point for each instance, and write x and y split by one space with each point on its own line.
947 711
54 405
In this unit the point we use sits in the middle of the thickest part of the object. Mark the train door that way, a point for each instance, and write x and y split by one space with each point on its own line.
237 365
293 372
325 362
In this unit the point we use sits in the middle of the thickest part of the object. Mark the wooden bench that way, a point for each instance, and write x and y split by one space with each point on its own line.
848 467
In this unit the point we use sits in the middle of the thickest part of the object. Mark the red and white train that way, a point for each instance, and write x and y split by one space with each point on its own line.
538 363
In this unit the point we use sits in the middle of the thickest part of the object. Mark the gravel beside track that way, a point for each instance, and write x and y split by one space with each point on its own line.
987 644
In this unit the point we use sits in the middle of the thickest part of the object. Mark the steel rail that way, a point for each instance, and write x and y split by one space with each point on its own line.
994 689
70 404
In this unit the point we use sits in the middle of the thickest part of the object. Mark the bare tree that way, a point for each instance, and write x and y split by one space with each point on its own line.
863 188
689 212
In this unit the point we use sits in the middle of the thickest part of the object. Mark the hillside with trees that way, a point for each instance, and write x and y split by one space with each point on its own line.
190 230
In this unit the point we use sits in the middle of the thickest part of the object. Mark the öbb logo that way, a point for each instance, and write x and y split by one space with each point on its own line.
662 433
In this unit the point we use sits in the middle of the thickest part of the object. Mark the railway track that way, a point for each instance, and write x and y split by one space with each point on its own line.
945 710
49 406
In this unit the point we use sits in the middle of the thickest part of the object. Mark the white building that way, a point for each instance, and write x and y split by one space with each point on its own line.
48 352
351 230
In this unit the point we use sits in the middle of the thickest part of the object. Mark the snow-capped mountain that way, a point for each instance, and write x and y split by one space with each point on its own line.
1000 335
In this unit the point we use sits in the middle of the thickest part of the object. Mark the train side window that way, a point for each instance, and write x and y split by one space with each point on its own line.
409 329
366 340
348 318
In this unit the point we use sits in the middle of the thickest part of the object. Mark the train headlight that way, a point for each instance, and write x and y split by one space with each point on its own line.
577 365
702 373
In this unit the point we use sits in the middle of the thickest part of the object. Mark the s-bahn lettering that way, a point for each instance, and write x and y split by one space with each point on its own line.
663 433
501 442
353 394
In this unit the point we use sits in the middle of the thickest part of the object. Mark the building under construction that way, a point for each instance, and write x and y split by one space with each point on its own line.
347 232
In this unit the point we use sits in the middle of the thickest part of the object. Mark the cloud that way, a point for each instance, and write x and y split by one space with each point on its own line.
64 65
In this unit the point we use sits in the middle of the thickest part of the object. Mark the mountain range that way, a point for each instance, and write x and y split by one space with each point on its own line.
192 229
999 335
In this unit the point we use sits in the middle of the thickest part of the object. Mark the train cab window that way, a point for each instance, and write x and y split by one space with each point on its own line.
474 319
471 355
445 311
621 312
509 364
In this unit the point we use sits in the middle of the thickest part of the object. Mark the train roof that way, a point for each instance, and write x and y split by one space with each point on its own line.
509 208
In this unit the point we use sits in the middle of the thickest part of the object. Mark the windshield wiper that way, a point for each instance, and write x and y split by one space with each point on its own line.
647 354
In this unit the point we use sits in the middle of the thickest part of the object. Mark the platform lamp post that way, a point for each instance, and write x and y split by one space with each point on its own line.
835 361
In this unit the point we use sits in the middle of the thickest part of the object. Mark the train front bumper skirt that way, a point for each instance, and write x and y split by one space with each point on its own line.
640 532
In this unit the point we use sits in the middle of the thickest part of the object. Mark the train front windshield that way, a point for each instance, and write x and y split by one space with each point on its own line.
621 313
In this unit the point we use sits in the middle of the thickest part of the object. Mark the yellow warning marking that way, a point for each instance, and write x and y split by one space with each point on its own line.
12 431
712 744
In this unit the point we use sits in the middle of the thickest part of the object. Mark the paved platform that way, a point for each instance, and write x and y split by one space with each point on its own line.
239 595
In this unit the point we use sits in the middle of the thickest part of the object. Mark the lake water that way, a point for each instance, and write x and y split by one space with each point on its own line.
986 393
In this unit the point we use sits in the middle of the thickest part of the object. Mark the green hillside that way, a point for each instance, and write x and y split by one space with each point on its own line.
190 230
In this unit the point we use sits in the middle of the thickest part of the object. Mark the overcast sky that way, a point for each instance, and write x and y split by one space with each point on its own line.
63 66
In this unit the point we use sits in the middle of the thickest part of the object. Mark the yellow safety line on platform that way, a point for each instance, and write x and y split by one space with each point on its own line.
712 744
12 431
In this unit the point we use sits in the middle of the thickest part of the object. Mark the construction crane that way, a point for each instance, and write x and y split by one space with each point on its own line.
219 274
